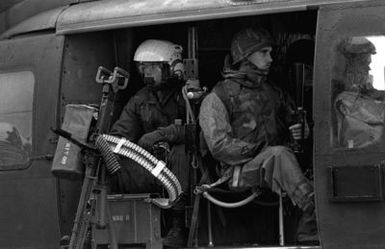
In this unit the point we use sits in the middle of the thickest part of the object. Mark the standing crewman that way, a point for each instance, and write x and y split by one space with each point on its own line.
156 114
247 122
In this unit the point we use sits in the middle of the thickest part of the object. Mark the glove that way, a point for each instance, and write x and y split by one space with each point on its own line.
172 134
149 139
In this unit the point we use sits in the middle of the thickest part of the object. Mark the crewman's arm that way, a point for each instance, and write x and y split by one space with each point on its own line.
217 131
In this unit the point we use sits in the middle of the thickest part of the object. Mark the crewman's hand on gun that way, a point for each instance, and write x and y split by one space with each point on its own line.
148 140
296 131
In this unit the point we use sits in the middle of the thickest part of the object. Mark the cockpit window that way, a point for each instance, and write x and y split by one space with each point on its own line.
16 105
358 92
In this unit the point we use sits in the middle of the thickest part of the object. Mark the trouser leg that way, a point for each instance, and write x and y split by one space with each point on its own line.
280 170
277 168
179 165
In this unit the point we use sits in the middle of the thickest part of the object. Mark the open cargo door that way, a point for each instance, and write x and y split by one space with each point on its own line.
349 125
39 75
30 70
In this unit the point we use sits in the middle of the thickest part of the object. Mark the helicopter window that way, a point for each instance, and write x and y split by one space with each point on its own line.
16 103
358 92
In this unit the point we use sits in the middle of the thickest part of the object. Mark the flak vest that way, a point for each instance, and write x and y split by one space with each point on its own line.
259 115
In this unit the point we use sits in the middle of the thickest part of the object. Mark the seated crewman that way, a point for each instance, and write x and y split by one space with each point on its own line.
246 121
151 116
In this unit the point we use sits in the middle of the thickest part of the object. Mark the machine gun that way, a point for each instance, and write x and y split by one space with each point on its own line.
299 113
193 93
94 183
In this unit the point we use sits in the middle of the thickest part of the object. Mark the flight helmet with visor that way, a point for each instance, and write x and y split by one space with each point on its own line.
158 61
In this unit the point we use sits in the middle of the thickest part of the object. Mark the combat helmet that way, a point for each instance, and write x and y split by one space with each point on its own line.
248 41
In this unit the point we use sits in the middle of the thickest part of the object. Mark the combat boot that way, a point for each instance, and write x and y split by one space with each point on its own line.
176 237
307 232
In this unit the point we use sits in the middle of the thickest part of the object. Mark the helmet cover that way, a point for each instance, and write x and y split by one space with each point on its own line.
247 42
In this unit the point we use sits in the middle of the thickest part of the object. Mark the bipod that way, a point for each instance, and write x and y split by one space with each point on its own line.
92 184
92 207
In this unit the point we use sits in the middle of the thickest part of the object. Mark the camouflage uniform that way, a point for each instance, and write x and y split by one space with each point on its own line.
246 122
